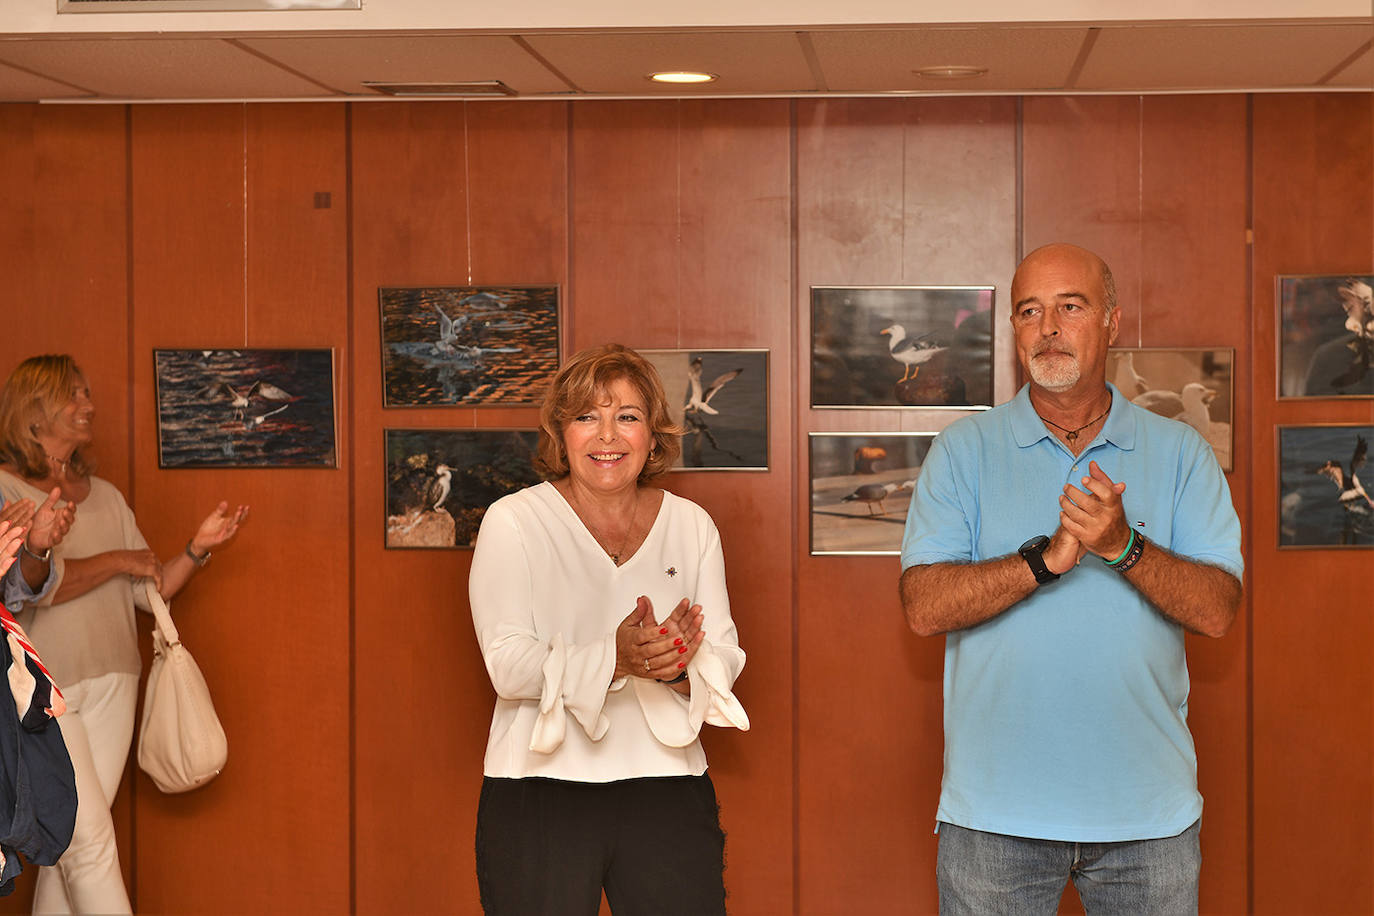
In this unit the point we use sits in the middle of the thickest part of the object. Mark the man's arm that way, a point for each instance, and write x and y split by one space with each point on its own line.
941 597
1201 598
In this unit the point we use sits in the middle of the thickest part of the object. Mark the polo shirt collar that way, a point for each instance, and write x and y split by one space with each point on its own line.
1027 428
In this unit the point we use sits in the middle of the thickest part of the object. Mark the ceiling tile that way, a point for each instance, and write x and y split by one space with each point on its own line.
344 63
153 68
1017 59
747 62
1218 56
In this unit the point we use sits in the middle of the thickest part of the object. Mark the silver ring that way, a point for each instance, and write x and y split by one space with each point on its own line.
646 665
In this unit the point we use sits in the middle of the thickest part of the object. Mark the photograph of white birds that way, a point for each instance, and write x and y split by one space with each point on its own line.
1190 384
720 399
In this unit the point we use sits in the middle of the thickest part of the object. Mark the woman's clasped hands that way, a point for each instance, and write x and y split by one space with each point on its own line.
647 648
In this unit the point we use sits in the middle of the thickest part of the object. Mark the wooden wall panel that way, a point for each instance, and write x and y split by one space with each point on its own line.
63 246
870 734
1313 633
423 698
234 253
1157 184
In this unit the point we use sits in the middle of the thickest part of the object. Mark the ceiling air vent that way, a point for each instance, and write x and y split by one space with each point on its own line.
475 88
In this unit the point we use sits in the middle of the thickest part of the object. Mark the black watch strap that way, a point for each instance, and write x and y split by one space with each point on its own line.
1033 553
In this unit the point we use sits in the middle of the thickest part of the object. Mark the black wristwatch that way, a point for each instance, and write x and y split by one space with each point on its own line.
1032 552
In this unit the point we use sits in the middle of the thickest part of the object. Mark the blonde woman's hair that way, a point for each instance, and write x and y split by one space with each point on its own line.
34 394
583 382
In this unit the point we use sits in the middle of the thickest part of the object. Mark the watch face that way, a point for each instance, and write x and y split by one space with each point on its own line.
1036 543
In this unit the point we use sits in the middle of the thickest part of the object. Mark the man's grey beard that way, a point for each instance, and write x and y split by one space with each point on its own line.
1059 376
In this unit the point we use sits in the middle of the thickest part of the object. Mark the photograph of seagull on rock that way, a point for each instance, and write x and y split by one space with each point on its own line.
875 493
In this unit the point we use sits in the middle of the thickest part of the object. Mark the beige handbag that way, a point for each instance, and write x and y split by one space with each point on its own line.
181 744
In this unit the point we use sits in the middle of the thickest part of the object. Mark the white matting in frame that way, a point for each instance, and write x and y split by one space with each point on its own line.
721 398
1191 384
1326 336
861 486
1322 502
901 346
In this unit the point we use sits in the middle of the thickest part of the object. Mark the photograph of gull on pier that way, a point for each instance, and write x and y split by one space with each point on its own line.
901 346
439 482
467 345
861 485
245 408
720 399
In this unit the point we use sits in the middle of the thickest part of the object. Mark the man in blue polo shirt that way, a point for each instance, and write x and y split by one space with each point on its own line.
1064 542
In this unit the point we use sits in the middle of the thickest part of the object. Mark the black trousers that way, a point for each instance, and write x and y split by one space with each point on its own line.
546 847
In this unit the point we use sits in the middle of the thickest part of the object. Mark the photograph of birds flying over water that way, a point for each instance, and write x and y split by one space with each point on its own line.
467 345
439 482
1188 384
720 398
901 346
1326 336
861 486
245 408
1323 501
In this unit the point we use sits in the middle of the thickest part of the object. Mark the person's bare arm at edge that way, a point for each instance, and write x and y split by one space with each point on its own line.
941 597
1200 598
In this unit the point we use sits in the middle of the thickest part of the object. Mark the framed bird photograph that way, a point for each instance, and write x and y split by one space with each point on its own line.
439 482
1322 500
861 486
468 345
901 346
1326 336
720 397
245 408
1190 384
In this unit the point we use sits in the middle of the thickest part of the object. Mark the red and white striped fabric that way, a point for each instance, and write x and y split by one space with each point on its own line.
36 695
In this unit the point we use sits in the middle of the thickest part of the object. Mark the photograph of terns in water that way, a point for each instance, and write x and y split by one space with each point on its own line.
901 346
720 397
861 486
1326 336
468 345
1322 501
1189 384
245 408
439 482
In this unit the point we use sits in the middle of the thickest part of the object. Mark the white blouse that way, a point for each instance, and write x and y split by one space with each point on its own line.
546 601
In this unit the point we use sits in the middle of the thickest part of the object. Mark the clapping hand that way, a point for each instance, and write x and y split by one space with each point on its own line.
1095 514
661 651
218 528
50 522
11 538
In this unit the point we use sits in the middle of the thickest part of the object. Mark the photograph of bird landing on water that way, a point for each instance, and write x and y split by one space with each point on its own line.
245 408
439 482
1322 500
468 345
901 346
861 487
720 397
1189 384
1326 336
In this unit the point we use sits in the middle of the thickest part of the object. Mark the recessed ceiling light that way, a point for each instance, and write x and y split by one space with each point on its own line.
682 76
950 73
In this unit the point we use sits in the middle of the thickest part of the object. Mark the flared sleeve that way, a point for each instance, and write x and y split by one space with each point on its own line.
566 678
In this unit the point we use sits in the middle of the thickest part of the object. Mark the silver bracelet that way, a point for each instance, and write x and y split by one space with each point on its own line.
198 560
40 557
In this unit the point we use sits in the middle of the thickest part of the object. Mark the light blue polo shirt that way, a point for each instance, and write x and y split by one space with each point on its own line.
1066 715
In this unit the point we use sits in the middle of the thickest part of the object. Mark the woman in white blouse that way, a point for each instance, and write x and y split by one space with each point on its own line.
600 608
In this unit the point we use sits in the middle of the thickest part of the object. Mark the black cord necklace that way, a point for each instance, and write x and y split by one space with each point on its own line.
1072 434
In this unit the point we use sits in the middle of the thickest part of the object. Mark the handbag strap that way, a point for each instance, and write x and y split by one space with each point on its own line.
161 613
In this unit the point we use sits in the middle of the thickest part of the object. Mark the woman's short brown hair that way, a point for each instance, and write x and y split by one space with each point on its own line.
34 394
583 382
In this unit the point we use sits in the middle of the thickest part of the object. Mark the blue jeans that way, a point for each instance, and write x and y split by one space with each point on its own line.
985 873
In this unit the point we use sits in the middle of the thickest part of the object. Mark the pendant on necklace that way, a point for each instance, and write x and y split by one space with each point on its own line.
1072 436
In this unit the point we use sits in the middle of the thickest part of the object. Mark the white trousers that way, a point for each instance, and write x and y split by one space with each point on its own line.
98 727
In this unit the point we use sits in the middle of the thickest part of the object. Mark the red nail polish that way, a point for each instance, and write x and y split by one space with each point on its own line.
662 631
682 664
683 649
678 641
